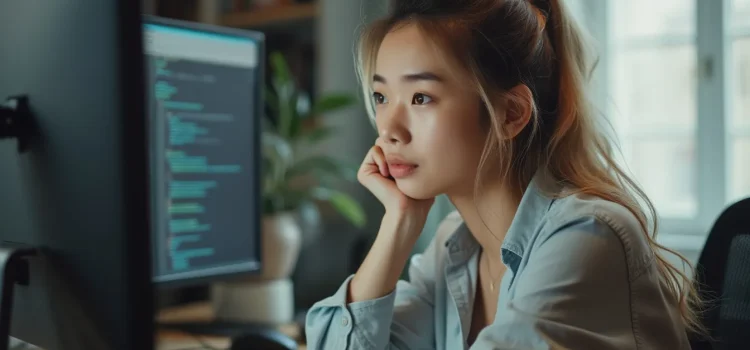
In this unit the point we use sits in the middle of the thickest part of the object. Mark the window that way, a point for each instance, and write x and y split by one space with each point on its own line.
674 79
739 126
654 94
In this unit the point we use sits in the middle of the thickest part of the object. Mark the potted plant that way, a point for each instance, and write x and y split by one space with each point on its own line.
293 178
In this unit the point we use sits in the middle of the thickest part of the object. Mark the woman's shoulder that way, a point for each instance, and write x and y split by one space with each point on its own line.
587 217
580 205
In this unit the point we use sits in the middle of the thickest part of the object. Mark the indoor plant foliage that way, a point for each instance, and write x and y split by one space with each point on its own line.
290 177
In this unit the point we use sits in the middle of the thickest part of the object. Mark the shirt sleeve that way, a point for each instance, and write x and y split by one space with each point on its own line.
400 320
573 294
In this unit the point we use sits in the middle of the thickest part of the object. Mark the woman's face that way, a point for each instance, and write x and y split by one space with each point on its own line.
427 116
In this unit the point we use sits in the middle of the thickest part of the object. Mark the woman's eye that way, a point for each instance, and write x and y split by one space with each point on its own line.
379 98
421 99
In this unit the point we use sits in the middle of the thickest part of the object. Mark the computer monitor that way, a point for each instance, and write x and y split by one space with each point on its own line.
78 193
204 86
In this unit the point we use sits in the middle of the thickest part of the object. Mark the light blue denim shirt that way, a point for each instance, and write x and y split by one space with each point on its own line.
580 275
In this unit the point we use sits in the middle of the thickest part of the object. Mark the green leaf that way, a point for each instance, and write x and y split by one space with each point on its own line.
279 66
322 164
347 206
286 112
268 206
272 100
331 103
286 96
278 158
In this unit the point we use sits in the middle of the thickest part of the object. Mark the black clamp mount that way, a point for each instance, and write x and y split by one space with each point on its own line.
16 121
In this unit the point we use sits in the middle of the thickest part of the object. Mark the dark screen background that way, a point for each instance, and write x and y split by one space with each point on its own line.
201 116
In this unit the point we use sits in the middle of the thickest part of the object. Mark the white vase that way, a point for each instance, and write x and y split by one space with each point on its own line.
269 296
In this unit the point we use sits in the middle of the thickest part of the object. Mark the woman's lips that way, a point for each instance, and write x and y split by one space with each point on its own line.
398 170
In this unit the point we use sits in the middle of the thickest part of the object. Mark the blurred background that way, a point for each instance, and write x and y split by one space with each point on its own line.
673 79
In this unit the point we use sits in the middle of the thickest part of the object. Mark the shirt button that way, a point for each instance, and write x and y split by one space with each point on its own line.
345 321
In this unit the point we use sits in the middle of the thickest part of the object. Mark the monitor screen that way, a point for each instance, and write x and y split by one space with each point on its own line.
203 107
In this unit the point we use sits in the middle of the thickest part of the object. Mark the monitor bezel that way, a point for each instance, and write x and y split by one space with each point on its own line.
198 277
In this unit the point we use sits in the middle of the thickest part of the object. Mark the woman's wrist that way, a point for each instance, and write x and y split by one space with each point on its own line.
395 241
379 272
404 226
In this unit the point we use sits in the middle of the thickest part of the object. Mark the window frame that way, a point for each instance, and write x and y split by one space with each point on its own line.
734 132
713 40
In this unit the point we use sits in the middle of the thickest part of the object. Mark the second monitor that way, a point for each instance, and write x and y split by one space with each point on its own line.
204 94
205 104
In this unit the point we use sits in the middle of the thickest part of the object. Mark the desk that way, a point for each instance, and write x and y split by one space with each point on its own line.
201 312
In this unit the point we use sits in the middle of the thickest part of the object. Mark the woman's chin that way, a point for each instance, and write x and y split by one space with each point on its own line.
416 189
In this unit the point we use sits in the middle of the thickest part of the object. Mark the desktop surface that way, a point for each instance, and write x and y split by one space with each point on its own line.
203 313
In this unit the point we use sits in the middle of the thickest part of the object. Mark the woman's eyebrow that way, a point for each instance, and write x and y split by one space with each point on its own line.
411 78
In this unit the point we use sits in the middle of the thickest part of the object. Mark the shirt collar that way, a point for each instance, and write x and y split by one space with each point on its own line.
535 203
461 245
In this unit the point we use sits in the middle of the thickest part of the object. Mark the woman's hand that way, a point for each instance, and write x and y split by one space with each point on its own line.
374 175
403 222
401 211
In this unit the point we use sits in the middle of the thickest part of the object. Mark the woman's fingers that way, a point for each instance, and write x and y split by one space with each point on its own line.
379 158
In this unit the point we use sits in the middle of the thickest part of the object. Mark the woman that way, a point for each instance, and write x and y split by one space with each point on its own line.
484 101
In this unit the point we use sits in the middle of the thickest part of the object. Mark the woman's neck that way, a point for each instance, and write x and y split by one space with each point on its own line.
488 215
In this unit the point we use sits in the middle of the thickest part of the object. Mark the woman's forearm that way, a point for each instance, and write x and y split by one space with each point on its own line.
381 269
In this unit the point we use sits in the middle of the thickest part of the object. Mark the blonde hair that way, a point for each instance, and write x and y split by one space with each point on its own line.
506 43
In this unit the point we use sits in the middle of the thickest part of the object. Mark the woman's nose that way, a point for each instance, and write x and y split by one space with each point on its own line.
392 127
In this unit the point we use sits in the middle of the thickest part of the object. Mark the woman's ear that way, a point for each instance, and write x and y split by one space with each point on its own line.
517 104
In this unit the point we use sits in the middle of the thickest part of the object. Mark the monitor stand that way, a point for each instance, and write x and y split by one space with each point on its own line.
242 334
14 270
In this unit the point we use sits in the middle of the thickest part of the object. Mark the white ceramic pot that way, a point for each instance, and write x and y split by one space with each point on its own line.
281 242
269 296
